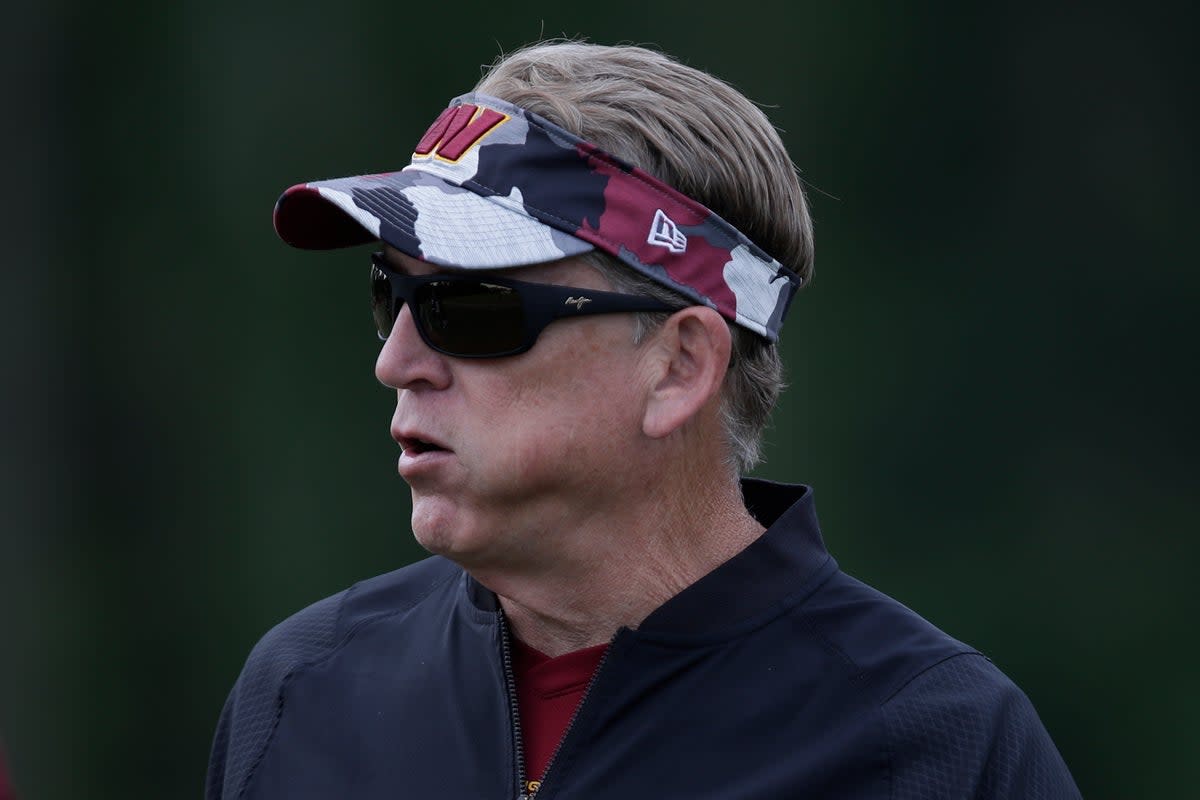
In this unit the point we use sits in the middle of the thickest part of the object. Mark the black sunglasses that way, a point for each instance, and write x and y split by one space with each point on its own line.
488 316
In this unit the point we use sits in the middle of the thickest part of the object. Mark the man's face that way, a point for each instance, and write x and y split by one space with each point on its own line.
505 456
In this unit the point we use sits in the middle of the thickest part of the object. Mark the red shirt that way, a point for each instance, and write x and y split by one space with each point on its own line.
548 692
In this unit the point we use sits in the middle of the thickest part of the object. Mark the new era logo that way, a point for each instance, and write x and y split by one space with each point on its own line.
665 233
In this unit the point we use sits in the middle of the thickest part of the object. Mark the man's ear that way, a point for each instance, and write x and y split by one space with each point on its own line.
691 350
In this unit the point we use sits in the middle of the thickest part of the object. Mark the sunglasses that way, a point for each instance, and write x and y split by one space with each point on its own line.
485 317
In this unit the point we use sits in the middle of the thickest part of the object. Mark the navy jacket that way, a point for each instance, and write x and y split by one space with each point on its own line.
774 676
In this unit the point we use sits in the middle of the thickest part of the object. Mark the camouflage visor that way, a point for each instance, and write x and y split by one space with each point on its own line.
491 186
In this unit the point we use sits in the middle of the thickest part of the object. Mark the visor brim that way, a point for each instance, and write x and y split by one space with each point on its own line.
423 216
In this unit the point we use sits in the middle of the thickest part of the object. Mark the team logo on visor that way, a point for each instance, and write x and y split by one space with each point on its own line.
457 130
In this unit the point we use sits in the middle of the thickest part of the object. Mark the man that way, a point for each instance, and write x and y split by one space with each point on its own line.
581 279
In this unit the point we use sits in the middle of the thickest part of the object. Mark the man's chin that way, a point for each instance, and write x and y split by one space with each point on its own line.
443 528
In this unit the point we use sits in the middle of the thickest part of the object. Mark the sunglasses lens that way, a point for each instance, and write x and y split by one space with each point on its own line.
471 318
381 302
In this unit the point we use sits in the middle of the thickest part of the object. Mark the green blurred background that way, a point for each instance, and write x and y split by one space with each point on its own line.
993 376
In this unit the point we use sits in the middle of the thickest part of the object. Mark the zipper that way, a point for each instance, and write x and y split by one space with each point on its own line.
514 712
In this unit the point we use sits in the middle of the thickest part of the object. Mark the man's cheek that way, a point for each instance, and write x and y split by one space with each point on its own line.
528 464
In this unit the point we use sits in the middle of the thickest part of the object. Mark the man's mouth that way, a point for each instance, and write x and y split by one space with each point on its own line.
412 446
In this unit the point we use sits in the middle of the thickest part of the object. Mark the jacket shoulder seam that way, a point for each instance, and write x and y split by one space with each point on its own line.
290 675
927 668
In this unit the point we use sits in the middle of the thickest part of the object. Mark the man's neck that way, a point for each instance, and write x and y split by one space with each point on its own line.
640 558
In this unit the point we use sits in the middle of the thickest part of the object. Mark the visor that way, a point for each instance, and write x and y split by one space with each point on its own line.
492 186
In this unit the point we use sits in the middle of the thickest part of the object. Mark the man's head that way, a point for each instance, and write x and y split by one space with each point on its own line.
700 136
664 179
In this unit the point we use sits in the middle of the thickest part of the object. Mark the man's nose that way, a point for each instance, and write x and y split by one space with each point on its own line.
406 362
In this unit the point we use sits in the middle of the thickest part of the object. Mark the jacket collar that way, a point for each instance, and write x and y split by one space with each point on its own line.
775 572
